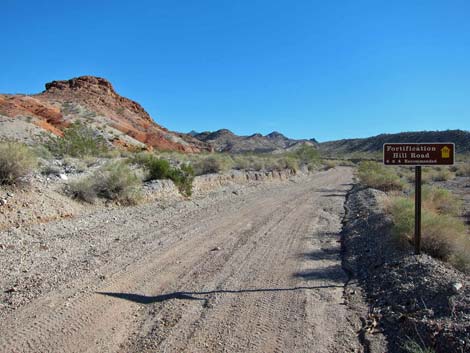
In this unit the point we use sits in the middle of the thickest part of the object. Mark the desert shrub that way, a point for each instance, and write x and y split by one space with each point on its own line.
114 181
141 158
306 155
443 235
158 169
16 161
182 176
83 190
42 152
441 201
284 163
257 163
377 176
411 346
240 162
213 164
329 164
463 170
78 141
111 153
442 175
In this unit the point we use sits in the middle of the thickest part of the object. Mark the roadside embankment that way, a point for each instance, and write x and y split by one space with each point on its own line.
411 298
44 198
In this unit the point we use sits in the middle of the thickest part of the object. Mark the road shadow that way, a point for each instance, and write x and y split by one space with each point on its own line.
332 191
332 273
322 254
144 299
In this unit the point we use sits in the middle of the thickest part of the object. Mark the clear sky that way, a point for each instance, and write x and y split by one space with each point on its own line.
322 69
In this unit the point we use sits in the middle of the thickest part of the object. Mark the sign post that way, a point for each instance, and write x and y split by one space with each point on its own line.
417 209
417 155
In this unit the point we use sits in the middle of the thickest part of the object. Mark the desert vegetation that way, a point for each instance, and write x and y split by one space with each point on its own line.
444 234
159 168
16 162
305 156
113 181
377 176
78 141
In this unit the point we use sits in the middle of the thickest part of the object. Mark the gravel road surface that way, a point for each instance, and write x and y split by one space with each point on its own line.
254 270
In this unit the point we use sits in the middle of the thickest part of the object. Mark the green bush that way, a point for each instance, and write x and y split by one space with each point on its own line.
377 176
114 181
306 155
158 169
183 179
161 169
16 161
78 141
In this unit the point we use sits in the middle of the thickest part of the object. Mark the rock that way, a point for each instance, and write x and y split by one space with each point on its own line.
3 202
456 287
217 248
63 177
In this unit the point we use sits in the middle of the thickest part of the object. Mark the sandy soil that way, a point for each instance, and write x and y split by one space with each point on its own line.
249 271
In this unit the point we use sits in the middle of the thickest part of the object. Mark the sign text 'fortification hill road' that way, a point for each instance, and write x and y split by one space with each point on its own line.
413 154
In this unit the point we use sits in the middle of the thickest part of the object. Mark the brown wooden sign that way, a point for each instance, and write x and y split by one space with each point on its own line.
413 154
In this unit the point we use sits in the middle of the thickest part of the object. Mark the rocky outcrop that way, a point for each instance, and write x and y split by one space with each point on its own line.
94 101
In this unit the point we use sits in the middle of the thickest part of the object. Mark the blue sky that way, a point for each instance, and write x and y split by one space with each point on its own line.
322 69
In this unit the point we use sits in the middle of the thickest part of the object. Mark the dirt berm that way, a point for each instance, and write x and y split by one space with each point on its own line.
410 297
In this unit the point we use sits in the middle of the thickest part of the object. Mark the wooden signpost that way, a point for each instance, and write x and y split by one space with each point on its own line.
417 155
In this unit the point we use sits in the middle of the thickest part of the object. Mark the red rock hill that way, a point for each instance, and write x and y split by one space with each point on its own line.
94 101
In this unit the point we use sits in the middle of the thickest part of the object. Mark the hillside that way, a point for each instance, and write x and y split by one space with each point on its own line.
461 139
226 141
93 101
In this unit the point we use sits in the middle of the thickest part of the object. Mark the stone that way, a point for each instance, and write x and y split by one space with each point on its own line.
456 287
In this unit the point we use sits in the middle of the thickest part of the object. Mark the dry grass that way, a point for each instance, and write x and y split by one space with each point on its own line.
16 162
444 236
463 170
114 181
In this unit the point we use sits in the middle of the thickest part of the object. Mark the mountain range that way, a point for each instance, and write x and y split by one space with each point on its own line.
226 141
461 138
124 123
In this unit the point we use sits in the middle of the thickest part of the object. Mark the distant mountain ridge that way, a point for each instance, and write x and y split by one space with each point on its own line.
461 138
224 140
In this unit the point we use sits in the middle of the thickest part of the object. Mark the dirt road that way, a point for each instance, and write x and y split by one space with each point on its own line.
253 272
